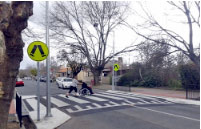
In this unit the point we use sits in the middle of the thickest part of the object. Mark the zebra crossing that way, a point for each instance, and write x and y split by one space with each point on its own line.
100 100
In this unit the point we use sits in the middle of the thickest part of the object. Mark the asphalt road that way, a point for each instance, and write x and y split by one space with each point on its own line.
137 116
30 88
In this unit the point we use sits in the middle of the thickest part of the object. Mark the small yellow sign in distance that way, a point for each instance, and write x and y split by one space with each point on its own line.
38 51
116 67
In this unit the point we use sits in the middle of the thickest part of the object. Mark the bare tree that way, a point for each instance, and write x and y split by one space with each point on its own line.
152 54
29 33
86 26
13 19
191 14
75 60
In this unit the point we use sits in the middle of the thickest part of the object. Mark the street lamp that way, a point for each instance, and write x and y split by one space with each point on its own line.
48 96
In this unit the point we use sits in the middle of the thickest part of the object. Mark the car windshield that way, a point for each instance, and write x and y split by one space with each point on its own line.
67 80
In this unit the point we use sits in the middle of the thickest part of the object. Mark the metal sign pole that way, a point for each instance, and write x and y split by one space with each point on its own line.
113 75
38 92
115 78
48 113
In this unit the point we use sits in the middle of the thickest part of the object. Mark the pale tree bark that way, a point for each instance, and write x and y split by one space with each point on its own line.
13 19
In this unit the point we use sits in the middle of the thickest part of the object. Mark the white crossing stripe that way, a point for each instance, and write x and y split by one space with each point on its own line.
122 96
113 103
107 96
89 107
80 101
33 104
97 105
28 96
57 102
96 98
124 103
156 102
140 103
145 97
168 102
120 92
108 105
132 94
78 107
69 110
129 102
143 101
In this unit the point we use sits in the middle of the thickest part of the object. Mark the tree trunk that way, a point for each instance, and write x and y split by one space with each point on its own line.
140 72
13 19
96 77
196 60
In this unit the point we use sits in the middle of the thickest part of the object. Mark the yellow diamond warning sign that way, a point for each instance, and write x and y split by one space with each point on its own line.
116 67
37 51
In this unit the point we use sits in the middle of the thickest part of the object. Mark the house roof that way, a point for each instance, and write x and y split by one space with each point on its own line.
64 70
107 69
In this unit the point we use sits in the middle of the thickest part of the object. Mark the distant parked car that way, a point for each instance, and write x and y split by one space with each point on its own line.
27 78
64 82
44 79
19 82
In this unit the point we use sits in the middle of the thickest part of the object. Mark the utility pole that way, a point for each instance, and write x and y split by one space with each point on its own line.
38 91
48 108
113 74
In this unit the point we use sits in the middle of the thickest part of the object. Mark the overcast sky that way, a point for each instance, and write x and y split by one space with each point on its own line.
123 36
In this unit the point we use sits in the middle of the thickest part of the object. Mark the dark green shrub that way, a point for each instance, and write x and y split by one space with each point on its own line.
151 81
124 80
175 84
190 76
135 83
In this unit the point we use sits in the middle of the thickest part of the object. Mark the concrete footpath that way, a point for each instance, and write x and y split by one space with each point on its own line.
57 118
171 95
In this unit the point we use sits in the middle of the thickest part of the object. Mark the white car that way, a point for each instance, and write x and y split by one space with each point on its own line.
64 82
58 79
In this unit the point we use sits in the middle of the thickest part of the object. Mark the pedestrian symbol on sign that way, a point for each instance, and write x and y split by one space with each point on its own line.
34 49
37 51
116 67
